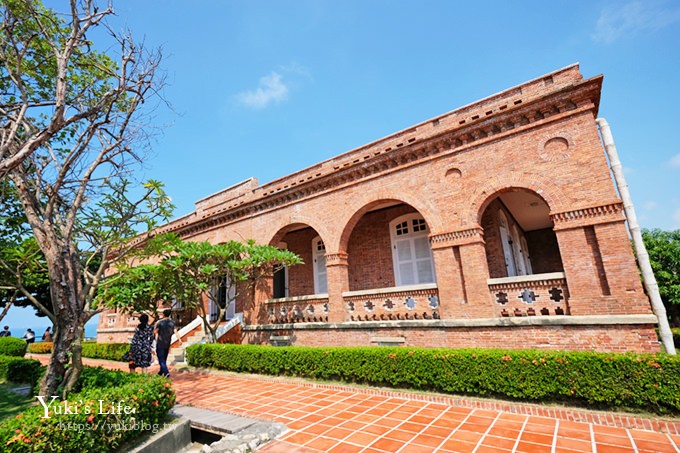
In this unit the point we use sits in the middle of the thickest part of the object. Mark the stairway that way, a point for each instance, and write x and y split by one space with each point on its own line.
176 354
192 334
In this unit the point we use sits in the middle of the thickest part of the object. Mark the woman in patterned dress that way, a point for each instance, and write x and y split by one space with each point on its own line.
140 346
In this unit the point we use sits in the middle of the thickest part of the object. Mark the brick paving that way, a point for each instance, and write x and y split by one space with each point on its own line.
330 418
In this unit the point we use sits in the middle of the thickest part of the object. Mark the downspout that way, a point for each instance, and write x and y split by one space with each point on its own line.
642 256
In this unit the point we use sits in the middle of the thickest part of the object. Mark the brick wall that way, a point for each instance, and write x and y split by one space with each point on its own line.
614 338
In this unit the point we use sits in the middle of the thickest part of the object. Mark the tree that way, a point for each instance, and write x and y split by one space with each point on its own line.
664 253
190 271
73 123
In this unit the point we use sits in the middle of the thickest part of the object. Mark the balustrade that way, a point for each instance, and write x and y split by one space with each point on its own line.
530 295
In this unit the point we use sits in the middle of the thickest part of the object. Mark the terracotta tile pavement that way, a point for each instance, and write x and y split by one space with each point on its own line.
324 418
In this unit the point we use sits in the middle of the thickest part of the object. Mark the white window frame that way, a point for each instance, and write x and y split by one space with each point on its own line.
214 309
318 254
410 236
508 252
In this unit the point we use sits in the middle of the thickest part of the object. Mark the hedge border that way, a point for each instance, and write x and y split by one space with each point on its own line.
637 382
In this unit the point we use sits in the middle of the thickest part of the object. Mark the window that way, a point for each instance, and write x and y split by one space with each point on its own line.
319 262
411 251
224 295
515 250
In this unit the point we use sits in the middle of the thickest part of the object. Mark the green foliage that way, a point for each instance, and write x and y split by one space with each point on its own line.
106 351
12 346
597 380
19 370
188 270
22 263
664 254
93 429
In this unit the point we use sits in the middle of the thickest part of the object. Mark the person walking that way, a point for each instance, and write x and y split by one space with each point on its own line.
29 336
5 332
47 336
164 330
140 346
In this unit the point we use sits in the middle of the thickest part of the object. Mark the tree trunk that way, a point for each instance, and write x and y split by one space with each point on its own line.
64 336
65 289
73 373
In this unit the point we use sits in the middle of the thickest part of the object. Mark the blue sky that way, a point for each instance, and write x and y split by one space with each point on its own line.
265 88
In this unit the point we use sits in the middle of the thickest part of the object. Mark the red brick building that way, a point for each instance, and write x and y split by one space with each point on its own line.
494 225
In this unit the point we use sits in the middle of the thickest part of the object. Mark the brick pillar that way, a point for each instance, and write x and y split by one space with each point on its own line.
587 285
621 270
449 281
254 309
338 282
475 276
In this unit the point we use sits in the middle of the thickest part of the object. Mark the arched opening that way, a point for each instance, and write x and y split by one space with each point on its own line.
306 279
519 236
389 247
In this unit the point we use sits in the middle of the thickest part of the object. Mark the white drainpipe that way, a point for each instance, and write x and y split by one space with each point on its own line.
643 257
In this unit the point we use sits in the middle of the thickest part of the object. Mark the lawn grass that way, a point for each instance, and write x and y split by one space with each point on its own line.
11 403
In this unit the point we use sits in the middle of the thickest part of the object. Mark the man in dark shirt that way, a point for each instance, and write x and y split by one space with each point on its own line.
164 330
5 332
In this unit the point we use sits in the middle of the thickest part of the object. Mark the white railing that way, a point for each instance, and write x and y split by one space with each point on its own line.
188 328
227 326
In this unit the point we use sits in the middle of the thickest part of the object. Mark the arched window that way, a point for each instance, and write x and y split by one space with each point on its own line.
411 251
319 261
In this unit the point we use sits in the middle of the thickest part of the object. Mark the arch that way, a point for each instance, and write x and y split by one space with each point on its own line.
369 202
541 186
286 225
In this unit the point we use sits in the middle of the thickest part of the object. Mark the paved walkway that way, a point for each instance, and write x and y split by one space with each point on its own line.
327 418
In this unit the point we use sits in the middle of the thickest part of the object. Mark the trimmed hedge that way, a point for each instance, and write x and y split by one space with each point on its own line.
12 346
98 425
19 370
106 351
630 381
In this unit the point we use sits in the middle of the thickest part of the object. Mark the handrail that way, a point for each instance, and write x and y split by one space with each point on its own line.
188 328
226 327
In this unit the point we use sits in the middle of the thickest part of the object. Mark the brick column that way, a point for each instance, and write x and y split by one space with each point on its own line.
449 281
587 284
621 270
462 274
338 282
475 276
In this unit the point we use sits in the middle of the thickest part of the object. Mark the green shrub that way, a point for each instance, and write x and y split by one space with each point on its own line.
106 351
12 346
631 381
97 426
92 350
19 370
44 347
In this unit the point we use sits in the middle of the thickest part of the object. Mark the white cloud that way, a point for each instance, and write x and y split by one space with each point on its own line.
271 89
631 18
675 161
